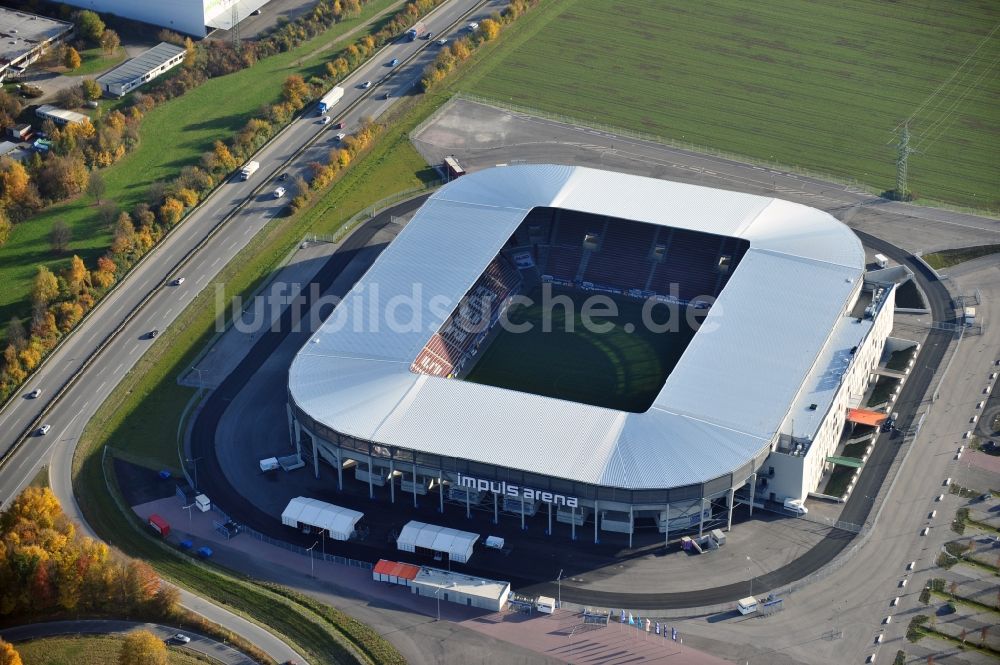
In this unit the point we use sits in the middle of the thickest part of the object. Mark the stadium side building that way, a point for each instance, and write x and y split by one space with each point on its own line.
757 401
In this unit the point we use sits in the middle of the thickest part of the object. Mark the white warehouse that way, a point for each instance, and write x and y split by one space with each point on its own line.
191 17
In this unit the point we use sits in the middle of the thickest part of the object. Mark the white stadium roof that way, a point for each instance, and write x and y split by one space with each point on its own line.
720 407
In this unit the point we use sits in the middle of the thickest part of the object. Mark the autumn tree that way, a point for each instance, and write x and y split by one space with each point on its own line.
10 108
89 26
223 157
104 275
171 211
8 654
489 29
45 287
91 89
16 334
71 58
295 90
60 236
96 185
124 236
77 277
5 227
141 647
110 42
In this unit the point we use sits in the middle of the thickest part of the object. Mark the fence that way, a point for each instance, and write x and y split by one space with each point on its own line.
304 551
373 210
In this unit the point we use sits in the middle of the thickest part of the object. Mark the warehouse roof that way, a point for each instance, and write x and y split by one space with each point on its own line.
721 405
140 65
21 32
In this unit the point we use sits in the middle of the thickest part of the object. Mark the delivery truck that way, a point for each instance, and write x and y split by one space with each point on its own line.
747 605
329 99
249 169
159 525
418 30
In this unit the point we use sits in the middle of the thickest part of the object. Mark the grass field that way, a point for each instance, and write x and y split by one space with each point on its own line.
816 85
614 368
174 135
90 650
952 257
94 61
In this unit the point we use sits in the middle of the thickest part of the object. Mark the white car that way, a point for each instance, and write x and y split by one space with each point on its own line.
473 26
366 85
340 136
325 120
180 638
442 41
35 393
44 429
278 193
177 282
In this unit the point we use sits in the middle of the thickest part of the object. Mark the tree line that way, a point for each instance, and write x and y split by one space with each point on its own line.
60 299
49 570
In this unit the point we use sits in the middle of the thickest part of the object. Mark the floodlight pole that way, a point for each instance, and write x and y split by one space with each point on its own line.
559 589
188 508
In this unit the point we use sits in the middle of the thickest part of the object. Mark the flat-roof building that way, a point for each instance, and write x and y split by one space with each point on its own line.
60 116
25 37
141 69
466 590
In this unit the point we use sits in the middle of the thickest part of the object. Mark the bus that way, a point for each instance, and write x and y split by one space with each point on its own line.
453 168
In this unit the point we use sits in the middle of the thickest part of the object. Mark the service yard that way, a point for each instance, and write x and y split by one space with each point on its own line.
811 85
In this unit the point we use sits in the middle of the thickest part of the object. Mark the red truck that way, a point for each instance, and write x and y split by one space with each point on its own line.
160 525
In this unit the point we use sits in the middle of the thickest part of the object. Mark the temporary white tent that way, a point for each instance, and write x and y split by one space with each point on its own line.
338 522
456 544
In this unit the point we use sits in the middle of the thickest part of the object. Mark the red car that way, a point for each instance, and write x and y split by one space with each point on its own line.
340 125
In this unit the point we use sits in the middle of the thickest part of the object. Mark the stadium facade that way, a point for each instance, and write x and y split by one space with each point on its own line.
792 332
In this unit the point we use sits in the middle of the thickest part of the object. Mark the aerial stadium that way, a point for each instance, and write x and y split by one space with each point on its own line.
597 350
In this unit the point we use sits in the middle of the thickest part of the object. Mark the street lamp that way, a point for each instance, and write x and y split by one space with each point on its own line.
188 508
312 563
195 463
559 588
750 573
436 596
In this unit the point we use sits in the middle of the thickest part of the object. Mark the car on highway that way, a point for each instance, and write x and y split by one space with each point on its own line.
153 333
366 85
442 41
325 120
283 176
386 95
340 136
177 282
394 62
279 192
35 393
472 27
340 125
44 429
179 638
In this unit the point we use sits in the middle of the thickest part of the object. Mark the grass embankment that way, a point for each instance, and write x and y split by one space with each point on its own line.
94 62
839 479
143 412
814 86
173 135
90 650
951 257
882 391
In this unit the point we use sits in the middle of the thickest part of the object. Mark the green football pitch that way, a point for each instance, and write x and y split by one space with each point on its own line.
613 368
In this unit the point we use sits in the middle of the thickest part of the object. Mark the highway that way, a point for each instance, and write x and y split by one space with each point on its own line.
82 372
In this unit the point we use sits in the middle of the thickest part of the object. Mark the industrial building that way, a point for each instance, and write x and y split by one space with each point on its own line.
25 37
757 402
141 69
190 17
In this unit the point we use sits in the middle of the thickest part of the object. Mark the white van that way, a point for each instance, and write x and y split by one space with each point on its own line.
545 605
795 506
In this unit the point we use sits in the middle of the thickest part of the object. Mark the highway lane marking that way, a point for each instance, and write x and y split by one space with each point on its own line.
119 368
101 387
216 261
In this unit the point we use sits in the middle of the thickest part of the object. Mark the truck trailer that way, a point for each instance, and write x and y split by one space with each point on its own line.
159 525
329 99
249 169
418 30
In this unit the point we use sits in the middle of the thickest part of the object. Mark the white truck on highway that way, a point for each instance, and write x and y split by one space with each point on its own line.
249 169
328 100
